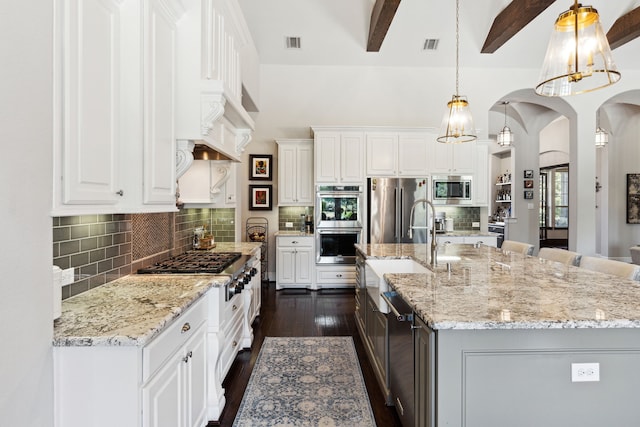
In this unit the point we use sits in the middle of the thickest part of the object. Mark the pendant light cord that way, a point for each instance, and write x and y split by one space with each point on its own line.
457 42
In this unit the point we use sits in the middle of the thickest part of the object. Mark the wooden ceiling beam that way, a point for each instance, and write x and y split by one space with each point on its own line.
512 19
625 29
381 18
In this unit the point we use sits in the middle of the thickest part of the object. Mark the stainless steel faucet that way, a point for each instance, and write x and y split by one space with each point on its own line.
434 244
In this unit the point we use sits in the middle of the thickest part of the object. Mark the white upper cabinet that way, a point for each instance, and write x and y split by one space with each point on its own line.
402 153
114 80
295 172
452 158
480 190
210 182
382 153
339 156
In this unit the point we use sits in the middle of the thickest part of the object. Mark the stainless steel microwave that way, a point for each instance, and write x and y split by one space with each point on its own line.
452 190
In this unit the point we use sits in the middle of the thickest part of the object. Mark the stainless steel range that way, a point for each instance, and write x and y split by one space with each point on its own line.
233 264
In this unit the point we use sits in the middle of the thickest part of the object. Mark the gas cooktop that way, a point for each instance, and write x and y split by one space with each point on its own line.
194 262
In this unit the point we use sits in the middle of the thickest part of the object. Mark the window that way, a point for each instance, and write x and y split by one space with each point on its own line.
560 198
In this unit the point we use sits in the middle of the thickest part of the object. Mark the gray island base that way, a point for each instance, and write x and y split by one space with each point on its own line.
497 336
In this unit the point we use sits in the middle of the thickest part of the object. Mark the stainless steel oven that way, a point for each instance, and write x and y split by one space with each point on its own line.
336 245
339 206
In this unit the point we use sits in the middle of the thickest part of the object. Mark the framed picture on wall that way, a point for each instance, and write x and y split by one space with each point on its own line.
633 198
528 183
528 173
260 197
260 167
528 194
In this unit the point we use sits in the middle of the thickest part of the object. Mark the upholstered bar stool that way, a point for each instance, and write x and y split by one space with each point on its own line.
610 266
518 247
635 254
560 255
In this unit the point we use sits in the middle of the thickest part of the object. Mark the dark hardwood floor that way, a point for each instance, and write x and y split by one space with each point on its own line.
300 312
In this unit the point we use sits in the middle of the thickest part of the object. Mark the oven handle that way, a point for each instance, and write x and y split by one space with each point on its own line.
338 230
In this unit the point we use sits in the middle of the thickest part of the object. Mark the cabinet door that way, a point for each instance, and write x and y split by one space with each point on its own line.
424 380
352 157
379 338
304 174
287 174
162 397
195 184
159 118
439 157
412 155
463 157
382 154
481 176
304 265
88 89
285 258
327 157
196 366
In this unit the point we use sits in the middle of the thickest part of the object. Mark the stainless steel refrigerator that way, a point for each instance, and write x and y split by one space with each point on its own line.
389 204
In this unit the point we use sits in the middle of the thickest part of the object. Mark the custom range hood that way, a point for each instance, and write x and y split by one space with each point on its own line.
213 45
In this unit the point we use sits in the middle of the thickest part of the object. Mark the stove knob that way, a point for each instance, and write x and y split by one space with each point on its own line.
246 279
254 271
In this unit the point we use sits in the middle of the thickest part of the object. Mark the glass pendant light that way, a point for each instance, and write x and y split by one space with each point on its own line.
578 58
602 137
457 124
505 137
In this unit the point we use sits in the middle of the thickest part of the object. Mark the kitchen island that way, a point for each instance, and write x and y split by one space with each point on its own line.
499 332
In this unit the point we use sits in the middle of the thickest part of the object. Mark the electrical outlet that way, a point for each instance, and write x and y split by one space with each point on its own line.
68 276
475 224
583 372
288 224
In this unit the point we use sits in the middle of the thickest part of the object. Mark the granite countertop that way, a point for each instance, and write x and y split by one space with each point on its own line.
135 308
491 289
130 310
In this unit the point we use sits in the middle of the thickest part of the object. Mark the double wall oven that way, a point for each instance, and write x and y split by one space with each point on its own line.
338 223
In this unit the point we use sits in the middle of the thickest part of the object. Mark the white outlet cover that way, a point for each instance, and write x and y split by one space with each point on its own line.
585 372
288 224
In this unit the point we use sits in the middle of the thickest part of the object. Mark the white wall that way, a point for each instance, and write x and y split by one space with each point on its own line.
26 386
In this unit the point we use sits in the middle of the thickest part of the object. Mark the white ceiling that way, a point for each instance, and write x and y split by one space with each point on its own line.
335 32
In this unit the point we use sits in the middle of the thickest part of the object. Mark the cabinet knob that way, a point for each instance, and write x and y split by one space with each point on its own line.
120 193
235 343
234 307
186 327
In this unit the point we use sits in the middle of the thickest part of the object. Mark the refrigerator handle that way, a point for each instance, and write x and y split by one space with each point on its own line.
400 213
395 217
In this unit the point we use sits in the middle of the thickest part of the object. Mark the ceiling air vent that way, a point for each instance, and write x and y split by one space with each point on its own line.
431 44
293 43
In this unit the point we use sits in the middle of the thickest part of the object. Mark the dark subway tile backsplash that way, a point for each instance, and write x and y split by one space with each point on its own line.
103 248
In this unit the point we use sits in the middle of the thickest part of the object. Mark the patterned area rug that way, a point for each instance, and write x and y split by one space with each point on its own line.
306 381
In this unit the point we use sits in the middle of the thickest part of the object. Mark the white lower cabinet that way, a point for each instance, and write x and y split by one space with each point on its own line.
335 276
176 395
160 384
294 262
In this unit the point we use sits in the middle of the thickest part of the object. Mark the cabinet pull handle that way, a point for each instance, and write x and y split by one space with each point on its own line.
295 242
234 308
416 327
186 327
120 193
338 275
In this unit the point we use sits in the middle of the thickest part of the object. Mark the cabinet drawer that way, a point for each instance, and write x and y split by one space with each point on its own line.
232 309
173 337
336 275
296 241
231 346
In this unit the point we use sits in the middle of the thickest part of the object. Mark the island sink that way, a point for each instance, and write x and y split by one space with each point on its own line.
374 276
